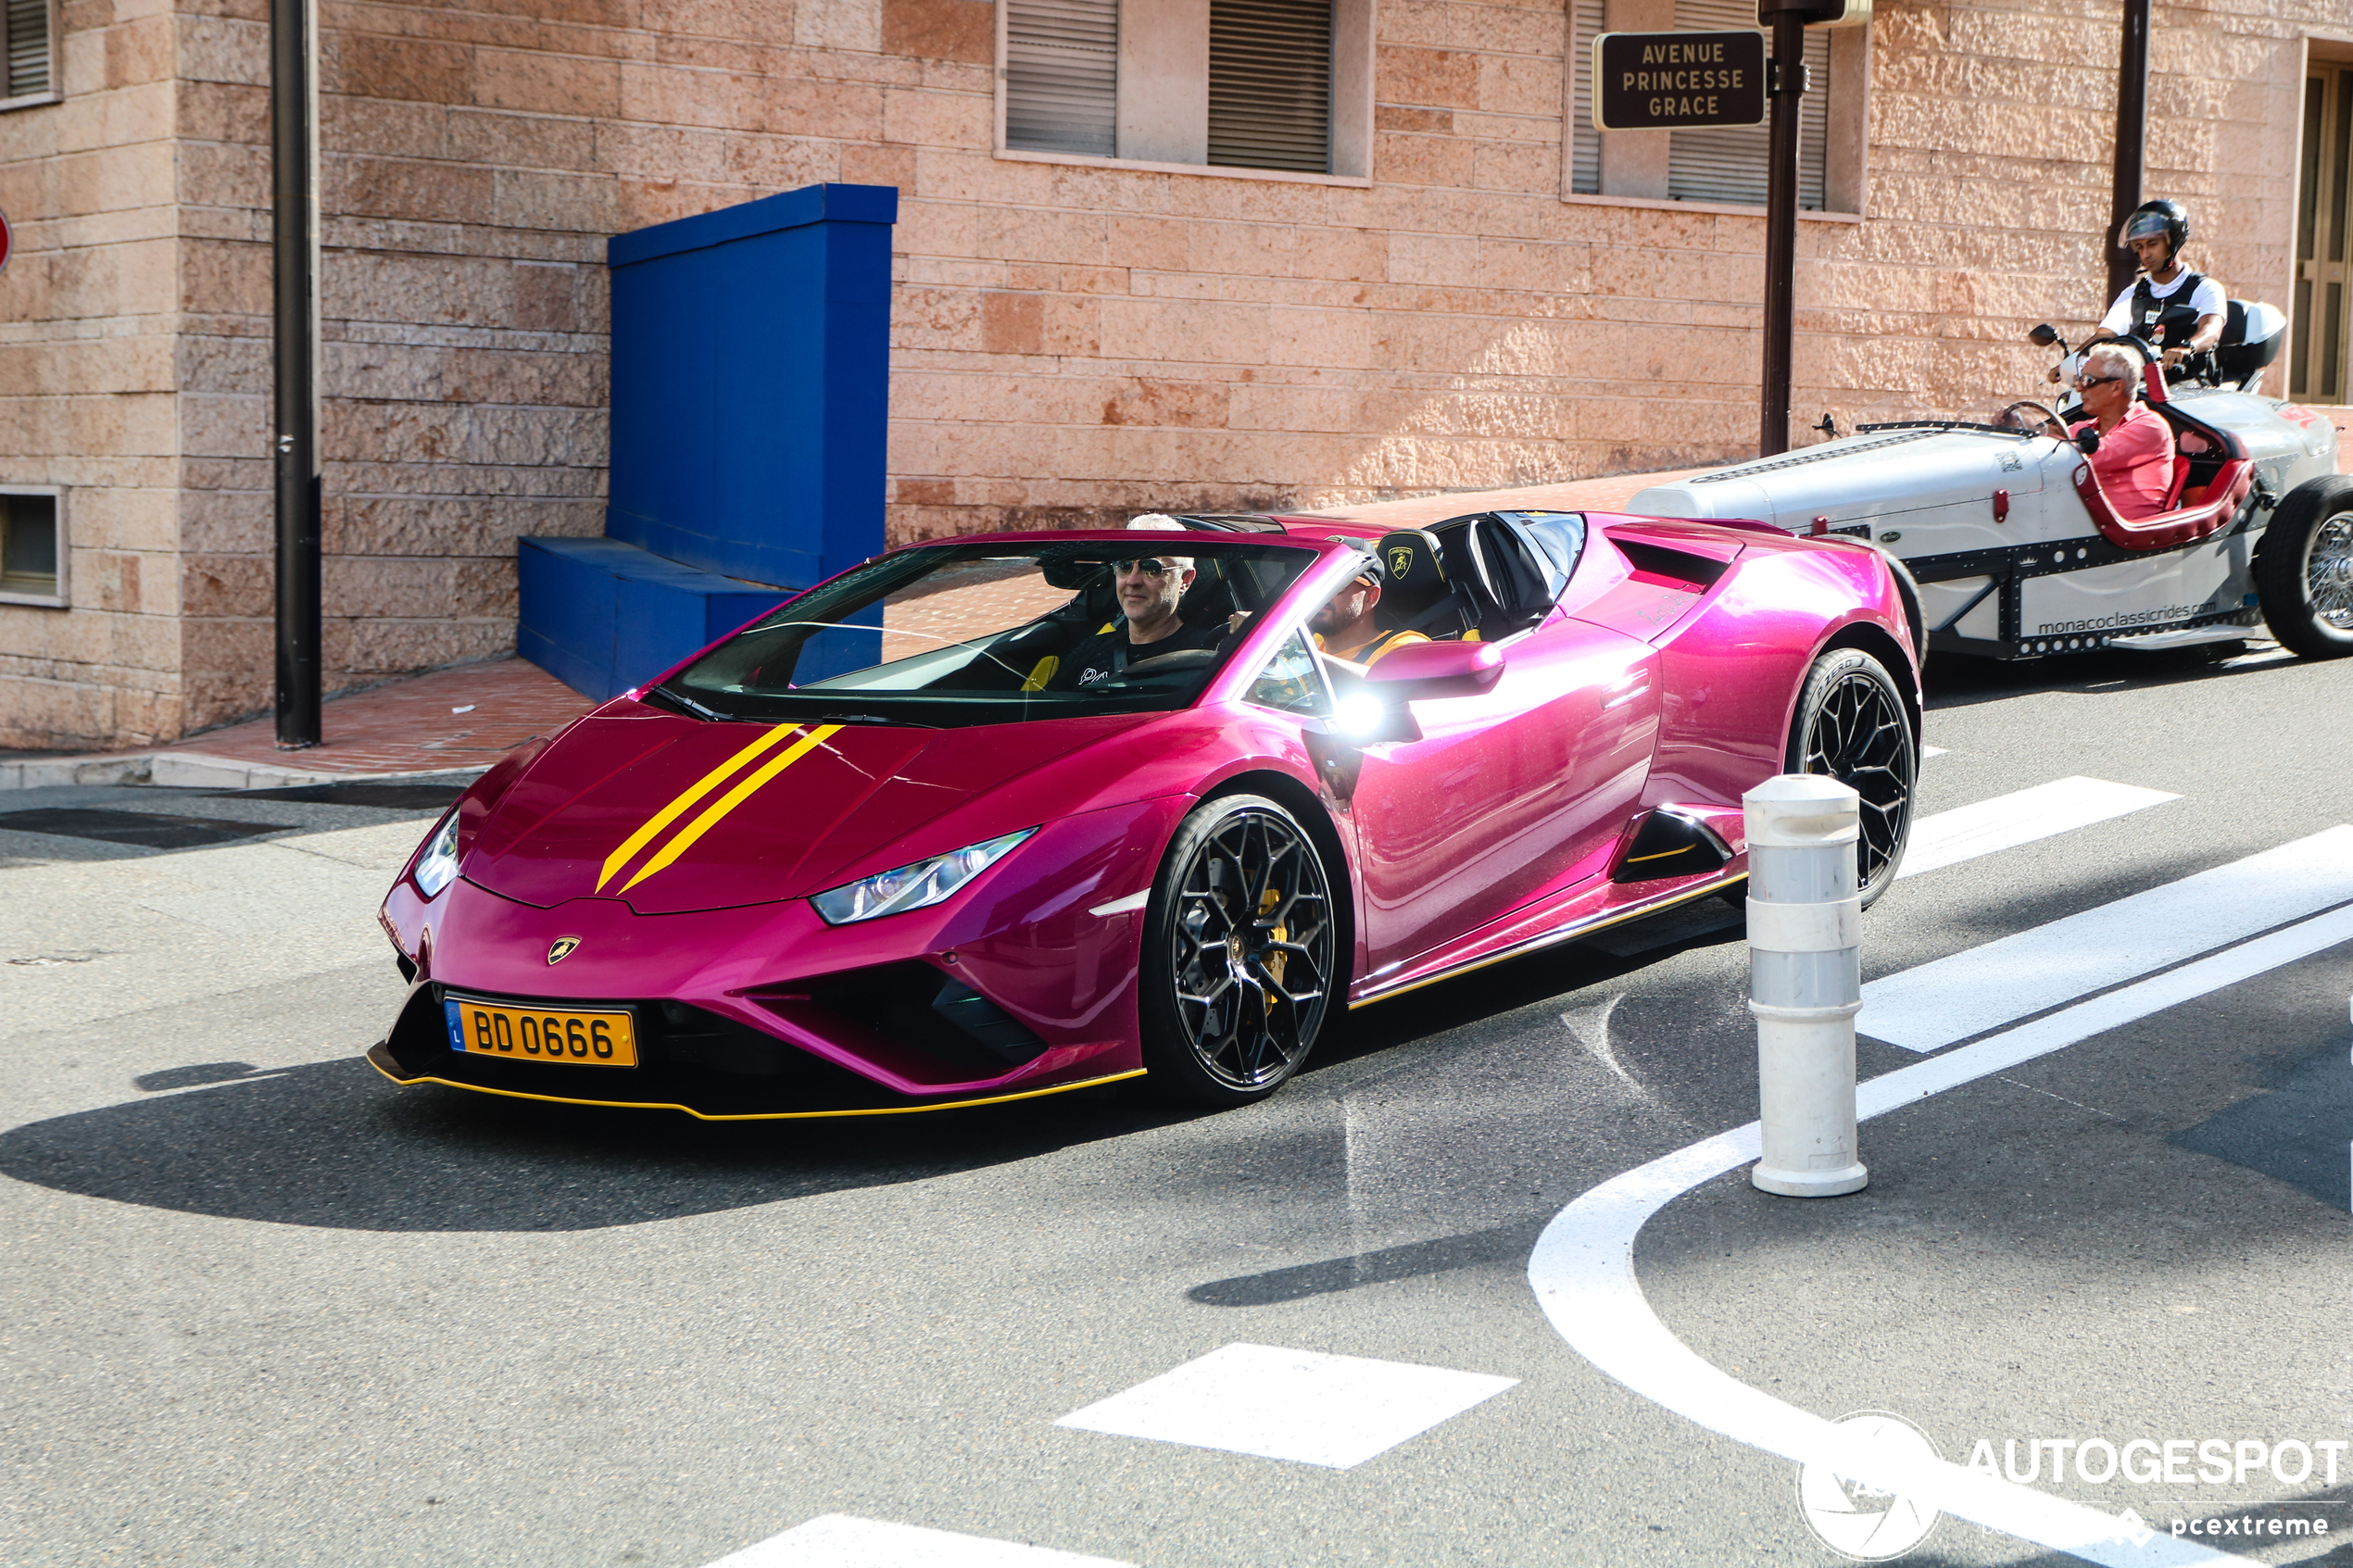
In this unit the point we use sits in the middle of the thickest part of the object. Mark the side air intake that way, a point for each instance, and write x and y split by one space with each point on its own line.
1671 843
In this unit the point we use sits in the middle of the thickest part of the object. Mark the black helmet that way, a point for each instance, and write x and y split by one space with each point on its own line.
2152 219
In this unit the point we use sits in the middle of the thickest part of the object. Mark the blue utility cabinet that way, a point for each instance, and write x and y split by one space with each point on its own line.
751 386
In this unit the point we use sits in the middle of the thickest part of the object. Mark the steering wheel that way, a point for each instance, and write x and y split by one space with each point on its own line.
2029 418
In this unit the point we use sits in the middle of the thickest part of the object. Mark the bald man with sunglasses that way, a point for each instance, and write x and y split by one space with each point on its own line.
1149 587
2134 462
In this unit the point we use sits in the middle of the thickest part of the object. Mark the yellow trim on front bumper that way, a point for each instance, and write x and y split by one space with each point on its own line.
758 1115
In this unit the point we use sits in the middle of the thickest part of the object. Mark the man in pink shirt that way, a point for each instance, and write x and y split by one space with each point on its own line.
2135 463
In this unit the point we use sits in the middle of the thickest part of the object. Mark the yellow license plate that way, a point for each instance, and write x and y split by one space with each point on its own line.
577 1039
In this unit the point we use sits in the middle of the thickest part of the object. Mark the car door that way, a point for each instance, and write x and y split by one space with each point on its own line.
1508 796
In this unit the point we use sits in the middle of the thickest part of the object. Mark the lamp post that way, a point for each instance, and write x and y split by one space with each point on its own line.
2132 139
294 161
1786 85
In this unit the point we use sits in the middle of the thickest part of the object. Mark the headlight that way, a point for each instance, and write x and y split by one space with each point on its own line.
438 867
912 887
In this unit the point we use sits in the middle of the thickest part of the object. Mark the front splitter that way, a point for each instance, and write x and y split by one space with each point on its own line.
382 1061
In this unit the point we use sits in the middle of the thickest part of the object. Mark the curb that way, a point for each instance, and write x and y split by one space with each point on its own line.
191 769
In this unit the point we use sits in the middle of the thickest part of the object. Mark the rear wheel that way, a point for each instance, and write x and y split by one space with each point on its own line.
2304 568
1851 725
1240 954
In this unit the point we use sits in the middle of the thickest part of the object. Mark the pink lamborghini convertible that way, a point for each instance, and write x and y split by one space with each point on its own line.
939 832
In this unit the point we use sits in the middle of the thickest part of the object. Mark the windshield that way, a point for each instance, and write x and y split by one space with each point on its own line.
980 632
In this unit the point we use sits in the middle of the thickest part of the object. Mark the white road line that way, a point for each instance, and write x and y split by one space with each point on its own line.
1336 1412
844 1540
1582 1272
1929 751
2008 821
1929 1008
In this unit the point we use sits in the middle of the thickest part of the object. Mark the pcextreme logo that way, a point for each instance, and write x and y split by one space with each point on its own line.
678 843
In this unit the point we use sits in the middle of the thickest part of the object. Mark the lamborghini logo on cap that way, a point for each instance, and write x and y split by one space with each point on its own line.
561 949
1401 561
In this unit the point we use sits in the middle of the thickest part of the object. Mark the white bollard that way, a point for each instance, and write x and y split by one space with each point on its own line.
1806 982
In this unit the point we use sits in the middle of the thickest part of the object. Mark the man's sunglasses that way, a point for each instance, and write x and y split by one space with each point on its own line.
1147 567
2097 381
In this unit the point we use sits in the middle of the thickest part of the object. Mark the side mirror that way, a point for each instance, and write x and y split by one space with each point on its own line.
1434 670
2043 335
2087 440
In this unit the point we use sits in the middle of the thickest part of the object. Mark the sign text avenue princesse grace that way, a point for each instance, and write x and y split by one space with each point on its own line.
1678 80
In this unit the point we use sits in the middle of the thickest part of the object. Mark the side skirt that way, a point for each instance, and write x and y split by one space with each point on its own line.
1570 932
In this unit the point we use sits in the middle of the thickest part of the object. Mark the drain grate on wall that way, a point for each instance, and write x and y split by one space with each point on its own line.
144 829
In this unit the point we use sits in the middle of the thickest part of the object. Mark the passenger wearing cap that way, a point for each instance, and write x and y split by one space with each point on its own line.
1344 628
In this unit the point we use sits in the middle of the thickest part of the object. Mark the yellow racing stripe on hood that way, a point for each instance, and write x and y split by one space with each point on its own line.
684 839
695 790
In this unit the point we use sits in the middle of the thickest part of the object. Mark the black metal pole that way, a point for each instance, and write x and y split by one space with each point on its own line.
293 127
1788 82
2131 142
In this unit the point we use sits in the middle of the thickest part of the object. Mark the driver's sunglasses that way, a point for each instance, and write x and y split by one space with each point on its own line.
1149 568
2097 381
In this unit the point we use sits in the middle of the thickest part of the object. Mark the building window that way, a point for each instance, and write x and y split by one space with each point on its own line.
1270 85
1278 86
32 545
1723 166
27 52
1062 76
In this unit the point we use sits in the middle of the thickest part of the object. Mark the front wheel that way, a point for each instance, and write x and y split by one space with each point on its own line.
2304 568
1240 954
1851 725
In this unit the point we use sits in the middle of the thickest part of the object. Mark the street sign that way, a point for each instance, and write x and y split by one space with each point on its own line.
1678 80
8 242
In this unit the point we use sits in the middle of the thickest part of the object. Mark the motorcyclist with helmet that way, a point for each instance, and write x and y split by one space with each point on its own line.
2177 311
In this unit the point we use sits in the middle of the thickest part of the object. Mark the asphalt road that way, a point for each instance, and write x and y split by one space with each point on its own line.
259 1306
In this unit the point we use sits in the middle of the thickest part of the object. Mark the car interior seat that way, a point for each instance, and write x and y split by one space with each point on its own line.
1416 591
1506 589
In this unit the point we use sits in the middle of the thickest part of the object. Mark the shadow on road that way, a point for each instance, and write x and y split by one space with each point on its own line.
332 1144
1960 681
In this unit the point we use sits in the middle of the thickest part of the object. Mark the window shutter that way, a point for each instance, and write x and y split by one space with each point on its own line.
1062 76
1270 85
24 24
1587 21
1729 165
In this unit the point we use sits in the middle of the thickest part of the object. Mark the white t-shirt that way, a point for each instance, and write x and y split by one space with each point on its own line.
2206 301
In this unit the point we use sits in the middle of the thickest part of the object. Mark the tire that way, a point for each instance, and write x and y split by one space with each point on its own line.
1230 1007
1851 725
2304 568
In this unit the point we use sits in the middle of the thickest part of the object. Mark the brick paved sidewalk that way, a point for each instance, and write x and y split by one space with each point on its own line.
450 720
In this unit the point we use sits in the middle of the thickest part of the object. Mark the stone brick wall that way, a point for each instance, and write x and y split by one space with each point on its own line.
88 348
1070 343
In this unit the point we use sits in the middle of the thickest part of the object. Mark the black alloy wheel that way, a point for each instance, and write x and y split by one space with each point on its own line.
1240 956
2304 568
1852 725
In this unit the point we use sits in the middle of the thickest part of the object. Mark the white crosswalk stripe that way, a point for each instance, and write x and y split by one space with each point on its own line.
844 1540
1333 1410
1929 1006
2008 821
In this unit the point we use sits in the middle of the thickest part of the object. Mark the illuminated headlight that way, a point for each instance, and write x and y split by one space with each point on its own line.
438 867
913 887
